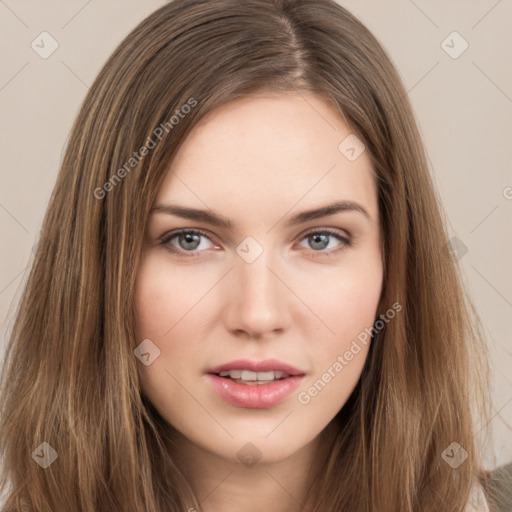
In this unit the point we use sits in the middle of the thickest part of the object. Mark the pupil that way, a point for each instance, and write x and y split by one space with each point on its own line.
322 244
189 238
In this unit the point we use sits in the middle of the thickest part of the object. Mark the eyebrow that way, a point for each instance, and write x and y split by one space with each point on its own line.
210 217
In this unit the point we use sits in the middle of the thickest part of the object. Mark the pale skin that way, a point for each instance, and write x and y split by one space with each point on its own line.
258 162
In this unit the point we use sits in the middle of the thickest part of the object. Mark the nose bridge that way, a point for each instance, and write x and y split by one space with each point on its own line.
257 299
254 278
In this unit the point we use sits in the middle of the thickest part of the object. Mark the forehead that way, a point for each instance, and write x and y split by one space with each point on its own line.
257 153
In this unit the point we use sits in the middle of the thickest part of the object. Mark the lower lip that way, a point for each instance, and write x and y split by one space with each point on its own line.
257 396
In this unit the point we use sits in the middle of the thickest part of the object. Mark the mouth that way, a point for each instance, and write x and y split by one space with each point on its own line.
250 371
251 378
256 385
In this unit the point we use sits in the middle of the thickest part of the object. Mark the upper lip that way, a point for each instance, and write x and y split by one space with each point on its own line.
257 366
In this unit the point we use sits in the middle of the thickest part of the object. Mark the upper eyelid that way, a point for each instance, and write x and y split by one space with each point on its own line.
175 232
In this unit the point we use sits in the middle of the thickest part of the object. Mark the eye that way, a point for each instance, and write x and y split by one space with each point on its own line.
319 240
188 241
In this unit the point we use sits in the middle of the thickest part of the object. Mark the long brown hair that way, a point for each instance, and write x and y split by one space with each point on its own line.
70 377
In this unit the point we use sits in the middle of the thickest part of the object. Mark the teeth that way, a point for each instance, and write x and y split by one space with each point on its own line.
247 375
234 374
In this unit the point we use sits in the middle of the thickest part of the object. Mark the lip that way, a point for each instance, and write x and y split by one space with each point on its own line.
255 396
258 366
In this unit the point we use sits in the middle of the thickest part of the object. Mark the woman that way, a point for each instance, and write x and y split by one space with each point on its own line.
313 349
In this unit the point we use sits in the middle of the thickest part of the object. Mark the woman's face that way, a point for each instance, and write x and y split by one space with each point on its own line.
272 288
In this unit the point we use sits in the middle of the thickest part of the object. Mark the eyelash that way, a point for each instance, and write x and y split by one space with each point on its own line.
346 242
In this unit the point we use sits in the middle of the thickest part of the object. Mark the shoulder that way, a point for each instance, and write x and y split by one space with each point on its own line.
476 501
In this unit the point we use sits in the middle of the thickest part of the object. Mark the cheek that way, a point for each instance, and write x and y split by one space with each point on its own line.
346 304
163 298
343 303
169 312
164 313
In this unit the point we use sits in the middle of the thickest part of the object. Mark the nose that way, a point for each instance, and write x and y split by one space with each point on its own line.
257 300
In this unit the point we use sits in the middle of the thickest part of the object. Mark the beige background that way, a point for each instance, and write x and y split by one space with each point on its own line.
463 106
